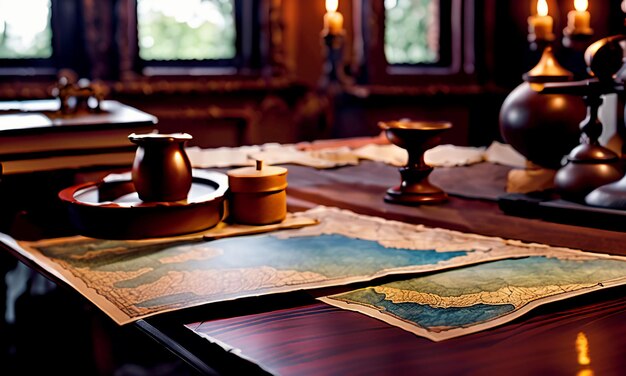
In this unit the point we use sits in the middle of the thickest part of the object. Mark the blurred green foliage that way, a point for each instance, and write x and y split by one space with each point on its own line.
193 30
39 48
25 31
411 31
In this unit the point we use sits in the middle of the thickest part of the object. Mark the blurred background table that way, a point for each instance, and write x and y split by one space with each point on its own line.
36 136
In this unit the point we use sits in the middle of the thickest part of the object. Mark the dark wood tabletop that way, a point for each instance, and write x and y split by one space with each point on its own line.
294 334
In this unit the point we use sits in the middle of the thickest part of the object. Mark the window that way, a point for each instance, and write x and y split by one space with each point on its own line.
415 42
25 31
186 29
121 39
26 38
38 37
193 37
412 31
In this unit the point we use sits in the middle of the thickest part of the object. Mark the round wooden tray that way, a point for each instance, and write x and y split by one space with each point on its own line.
111 208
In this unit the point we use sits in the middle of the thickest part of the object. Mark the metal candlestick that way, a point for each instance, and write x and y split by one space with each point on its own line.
591 165
612 195
333 68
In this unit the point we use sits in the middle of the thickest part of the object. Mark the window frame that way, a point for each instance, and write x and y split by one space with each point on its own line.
252 45
98 40
457 63
64 35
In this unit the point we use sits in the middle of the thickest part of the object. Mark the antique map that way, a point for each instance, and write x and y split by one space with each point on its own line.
462 301
130 280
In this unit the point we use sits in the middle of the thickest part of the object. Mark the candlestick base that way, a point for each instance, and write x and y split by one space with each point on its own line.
609 196
548 69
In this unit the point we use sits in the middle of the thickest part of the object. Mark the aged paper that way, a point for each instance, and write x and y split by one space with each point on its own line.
475 298
130 280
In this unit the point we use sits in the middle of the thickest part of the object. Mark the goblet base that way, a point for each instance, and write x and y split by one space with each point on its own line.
414 197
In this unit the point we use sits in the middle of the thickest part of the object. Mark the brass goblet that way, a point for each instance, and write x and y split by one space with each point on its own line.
416 137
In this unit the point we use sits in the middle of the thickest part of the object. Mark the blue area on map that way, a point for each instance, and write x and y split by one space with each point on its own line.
332 255
529 272
427 316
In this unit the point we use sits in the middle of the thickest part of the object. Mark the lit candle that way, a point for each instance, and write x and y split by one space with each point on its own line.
541 24
333 20
578 20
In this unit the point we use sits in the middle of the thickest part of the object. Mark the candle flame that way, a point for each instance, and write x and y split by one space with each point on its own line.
542 8
581 5
582 349
332 5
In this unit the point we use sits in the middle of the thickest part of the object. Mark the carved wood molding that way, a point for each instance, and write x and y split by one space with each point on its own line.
98 21
153 86
276 26
127 38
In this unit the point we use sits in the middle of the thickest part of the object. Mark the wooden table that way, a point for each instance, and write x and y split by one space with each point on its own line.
294 334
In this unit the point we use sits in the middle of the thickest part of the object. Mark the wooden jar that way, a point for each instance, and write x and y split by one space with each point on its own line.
257 194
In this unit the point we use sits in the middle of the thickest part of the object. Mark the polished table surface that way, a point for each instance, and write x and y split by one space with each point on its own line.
295 334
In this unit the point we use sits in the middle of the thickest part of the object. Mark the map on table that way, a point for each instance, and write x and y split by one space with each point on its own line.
467 300
130 280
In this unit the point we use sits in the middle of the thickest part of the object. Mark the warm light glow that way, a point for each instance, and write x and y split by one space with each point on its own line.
559 102
581 5
332 5
582 349
333 20
578 21
542 7
585 372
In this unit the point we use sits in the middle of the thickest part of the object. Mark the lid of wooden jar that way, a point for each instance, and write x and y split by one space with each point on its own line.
259 178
